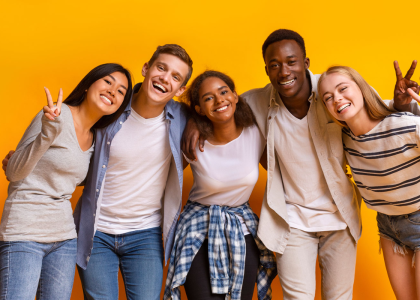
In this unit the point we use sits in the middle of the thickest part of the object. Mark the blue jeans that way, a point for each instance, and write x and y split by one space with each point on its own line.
403 230
139 255
30 268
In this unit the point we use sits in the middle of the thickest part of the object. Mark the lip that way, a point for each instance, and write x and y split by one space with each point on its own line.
161 85
341 105
109 102
222 106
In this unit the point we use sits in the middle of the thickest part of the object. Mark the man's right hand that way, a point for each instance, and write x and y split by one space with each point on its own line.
6 161
189 140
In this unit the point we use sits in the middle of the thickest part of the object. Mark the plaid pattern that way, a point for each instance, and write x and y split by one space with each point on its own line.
226 250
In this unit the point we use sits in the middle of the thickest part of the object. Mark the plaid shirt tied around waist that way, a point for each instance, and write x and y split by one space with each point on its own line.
226 248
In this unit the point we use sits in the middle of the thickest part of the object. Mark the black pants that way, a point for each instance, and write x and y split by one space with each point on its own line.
197 285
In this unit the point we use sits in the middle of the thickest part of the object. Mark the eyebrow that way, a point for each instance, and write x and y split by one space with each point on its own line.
289 56
335 87
220 88
116 80
176 72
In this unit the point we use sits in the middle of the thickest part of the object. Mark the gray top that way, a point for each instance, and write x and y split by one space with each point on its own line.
44 171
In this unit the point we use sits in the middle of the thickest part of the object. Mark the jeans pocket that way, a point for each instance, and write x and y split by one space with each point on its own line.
414 218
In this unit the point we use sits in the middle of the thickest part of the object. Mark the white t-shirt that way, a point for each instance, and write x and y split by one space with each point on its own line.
139 161
225 175
310 206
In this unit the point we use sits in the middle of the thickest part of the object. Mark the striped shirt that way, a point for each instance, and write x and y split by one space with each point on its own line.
384 163
226 250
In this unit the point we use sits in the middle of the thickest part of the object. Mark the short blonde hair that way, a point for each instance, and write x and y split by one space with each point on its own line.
375 107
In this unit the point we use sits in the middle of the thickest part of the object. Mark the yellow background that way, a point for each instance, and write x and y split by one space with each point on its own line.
55 43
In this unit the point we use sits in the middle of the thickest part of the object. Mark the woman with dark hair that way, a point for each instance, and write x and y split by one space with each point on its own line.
37 232
216 252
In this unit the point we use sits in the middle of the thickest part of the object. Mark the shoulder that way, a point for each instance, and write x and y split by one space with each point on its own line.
256 94
175 108
401 118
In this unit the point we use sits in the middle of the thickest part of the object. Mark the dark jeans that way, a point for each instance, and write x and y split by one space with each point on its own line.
197 285
139 255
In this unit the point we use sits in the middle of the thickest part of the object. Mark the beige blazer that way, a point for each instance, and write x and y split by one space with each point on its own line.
274 227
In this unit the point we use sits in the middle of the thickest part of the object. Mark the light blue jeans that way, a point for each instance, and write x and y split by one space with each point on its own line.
30 268
139 255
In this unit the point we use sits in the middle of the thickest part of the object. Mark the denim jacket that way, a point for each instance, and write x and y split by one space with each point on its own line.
87 209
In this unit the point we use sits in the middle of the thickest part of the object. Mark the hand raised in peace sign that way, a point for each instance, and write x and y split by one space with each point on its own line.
402 97
49 110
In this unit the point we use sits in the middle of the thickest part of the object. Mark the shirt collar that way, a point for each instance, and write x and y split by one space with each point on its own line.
275 97
168 107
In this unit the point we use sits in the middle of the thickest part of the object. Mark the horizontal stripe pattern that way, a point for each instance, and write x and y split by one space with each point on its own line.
385 164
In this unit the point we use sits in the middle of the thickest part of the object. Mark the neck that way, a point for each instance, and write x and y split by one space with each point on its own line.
362 123
298 105
223 133
84 117
144 107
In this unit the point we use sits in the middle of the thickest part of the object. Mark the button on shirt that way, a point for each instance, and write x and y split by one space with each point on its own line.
86 211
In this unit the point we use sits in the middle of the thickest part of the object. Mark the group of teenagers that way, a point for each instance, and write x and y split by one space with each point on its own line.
129 146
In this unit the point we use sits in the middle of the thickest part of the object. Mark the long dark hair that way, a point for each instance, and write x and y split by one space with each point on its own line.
243 114
77 96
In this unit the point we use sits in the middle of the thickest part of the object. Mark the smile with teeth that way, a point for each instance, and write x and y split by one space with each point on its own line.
343 107
222 108
287 82
106 99
159 87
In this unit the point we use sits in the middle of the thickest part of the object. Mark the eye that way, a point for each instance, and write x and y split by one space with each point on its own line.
223 92
176 78
292 62
107 81
121 92
328 98
208 98
273 66
344 88
160 68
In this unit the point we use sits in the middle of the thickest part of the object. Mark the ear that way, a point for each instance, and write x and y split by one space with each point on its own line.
307 63
198 110
180 91
145 69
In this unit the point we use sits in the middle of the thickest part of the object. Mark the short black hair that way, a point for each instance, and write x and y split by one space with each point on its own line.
284 34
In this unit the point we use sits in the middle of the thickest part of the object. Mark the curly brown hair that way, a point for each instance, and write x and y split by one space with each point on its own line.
243 114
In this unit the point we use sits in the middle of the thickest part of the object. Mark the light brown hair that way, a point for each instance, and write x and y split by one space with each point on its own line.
374 105
177 51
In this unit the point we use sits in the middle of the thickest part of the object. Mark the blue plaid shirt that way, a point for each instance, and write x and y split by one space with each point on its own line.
226 250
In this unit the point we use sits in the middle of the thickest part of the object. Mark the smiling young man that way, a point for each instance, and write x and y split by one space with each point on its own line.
135 169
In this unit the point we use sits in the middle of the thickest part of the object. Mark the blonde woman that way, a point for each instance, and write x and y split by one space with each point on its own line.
382 149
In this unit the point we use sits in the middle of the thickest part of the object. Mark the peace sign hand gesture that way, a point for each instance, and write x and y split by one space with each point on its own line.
49 110
402 96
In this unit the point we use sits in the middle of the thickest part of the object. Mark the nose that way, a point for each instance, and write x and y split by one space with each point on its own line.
284 71
337 97
219 99
164 77
111 90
